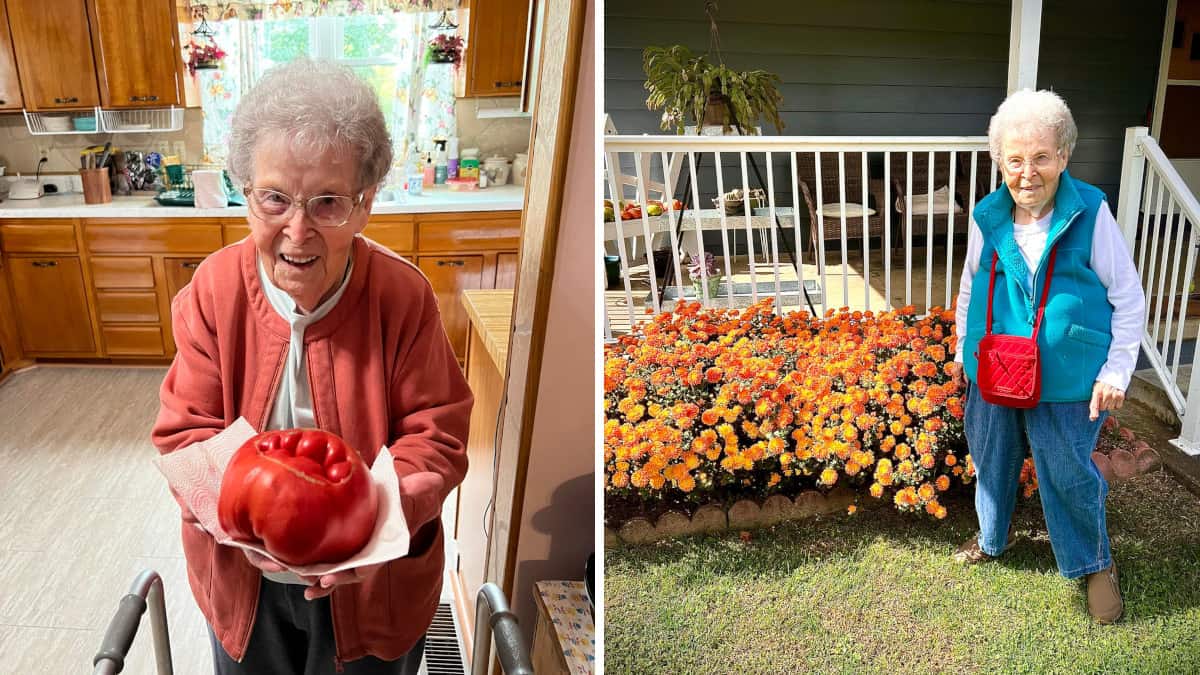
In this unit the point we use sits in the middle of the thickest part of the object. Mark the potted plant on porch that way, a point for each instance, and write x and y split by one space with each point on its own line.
692 90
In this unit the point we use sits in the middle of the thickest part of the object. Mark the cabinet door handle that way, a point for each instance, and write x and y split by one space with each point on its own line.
45 263
2 101
71 99
143 98
452 263
189 265
516 83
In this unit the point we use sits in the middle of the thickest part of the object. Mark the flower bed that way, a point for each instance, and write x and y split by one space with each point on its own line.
707 405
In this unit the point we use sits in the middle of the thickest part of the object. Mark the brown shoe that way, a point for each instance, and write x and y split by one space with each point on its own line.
970 553
1104 596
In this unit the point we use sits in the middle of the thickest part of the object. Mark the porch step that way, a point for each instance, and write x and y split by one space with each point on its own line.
1145 388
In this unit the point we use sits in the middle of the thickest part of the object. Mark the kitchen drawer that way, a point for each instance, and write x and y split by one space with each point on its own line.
50 237
127 306
231 233
469 233
158 237
396 234
133 340
123 272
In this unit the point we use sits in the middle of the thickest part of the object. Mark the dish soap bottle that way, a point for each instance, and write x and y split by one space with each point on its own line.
439 167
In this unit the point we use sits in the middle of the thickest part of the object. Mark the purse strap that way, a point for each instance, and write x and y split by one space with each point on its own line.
1041 304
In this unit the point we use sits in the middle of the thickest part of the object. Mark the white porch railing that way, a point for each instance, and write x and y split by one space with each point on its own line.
879 273
1159 214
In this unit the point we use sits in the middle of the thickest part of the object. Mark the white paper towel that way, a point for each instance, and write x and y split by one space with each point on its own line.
210 189
195 473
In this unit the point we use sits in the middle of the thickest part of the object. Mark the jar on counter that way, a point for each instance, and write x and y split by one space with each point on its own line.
518 168
497 170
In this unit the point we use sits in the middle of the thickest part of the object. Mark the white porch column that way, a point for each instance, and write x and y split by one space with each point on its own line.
1133 171
1024 38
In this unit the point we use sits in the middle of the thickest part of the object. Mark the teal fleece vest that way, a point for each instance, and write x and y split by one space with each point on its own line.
1077 327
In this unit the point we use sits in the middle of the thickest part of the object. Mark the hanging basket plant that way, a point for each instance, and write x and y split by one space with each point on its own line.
445 49
689 89
204 56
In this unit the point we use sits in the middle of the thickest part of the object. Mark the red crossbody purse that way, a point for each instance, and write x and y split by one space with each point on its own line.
1010 369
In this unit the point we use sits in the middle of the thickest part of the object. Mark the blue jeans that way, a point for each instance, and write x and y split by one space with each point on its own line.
1071 488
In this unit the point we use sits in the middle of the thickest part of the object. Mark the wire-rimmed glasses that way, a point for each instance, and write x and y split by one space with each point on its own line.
275 208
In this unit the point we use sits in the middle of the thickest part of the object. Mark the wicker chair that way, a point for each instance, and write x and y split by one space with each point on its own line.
920 189
830 198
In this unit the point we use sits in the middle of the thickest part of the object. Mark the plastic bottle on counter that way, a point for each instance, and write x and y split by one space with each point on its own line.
439 166
452 158
427 169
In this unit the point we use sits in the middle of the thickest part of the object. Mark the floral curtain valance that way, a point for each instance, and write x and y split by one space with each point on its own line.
213 10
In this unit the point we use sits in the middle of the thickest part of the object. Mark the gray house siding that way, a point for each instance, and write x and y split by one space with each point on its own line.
1102 57
881 67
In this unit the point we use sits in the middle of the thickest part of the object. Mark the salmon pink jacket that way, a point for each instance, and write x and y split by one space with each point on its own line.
381 371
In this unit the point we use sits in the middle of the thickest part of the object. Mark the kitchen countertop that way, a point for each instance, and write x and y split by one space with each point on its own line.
490 312
436 200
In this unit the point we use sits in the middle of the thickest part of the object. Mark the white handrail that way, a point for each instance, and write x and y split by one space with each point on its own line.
624 143
1175 183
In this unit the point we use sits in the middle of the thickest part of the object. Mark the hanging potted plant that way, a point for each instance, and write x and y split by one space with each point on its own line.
204 56
691 90
445 49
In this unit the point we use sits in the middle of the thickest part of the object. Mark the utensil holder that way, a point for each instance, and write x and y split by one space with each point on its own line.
96 188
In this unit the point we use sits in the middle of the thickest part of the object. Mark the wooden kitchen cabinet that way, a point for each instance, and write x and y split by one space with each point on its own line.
51 305
53 47
495 50
450 276
506 270
118 276
10 87
136 46
179 272
137 267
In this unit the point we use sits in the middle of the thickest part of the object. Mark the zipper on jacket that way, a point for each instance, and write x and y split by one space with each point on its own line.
1041 266
338 664
253 617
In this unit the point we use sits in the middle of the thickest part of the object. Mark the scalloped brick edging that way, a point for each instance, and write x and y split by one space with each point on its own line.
1121 465
744 514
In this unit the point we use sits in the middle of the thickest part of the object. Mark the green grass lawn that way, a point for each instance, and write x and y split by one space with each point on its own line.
877 592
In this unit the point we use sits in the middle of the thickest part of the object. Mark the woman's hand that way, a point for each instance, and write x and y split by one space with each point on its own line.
323 585
262 562
955 370
1105 397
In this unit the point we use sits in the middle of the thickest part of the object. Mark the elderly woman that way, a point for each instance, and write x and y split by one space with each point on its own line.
1088 340
306 323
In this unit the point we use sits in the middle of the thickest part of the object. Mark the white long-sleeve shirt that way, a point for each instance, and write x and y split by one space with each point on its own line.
1113 265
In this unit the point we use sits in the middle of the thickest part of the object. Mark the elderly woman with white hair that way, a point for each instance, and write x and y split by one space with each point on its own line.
1046 260
307 324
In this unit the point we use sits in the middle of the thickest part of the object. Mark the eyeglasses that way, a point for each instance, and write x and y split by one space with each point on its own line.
275 208
1039 163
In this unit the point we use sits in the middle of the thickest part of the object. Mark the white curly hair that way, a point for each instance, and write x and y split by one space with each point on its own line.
1027 109
320 106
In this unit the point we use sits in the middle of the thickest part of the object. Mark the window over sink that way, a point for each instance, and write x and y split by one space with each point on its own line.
386 50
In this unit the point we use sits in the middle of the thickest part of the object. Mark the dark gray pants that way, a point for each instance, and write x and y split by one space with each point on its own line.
294 636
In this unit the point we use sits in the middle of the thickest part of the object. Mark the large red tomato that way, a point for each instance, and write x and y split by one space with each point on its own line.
304 494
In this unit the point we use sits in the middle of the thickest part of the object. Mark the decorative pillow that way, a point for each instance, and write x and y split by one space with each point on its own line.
852 210
920 203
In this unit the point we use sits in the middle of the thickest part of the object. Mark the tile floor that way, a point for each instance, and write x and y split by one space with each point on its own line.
82 512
